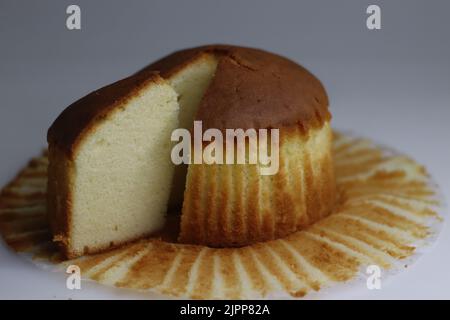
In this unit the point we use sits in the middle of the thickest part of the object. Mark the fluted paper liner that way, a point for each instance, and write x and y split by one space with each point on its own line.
388 208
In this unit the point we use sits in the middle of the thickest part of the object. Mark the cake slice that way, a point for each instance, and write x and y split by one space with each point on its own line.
110 172
111 176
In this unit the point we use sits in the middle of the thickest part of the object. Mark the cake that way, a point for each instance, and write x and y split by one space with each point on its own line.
109 163
234 205
222 205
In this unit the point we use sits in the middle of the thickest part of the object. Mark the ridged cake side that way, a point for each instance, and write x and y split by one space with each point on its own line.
233 205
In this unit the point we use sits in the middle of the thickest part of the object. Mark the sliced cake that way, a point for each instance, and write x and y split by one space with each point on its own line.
110 172
111 176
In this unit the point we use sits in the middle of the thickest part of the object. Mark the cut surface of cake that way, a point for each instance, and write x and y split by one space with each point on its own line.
104 191
110 171
190 81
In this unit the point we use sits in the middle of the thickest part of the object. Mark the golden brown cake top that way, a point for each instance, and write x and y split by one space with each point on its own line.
78 118
253 88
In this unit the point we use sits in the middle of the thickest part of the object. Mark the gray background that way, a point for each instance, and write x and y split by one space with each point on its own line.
392 85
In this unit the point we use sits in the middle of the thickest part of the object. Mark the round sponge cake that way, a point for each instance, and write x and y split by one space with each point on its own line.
110 175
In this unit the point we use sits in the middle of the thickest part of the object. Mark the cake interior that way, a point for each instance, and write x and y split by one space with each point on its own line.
121 172
190 83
